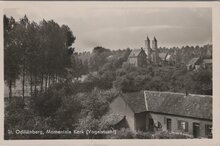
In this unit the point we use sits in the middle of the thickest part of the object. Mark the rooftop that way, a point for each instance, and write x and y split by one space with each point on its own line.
194 61
135 52
191 105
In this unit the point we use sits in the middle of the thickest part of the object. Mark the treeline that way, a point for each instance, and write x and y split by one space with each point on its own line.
185 53
112 71
94 60
38 54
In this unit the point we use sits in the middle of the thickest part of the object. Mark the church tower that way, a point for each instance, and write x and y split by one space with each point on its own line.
155 50
154 44
147 48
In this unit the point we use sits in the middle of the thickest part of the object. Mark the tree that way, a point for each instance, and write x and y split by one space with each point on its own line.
67 115
23 37
47 104
99 58
12 46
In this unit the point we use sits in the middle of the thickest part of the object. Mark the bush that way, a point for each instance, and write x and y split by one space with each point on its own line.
171 135
123 134
143 135
48 103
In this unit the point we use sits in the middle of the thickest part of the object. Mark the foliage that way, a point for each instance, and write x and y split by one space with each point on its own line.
38 54
99 58
171 135
11 51
95 105
123 133
48 103
19 117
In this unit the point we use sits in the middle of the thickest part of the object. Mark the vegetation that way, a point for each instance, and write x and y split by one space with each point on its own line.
38 54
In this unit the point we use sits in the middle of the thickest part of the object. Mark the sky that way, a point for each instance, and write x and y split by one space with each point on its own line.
121 27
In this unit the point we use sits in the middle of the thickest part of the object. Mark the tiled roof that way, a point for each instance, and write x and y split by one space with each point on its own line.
193 61
112 118
135 100
135 52
192 105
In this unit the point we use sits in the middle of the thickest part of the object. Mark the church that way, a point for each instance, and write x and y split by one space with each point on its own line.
141 57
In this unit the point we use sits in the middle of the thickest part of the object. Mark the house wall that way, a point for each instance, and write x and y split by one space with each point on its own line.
133 60
207 66
141 60
174 123
121 107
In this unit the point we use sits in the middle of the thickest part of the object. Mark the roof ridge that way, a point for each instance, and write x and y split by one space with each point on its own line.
179 93
201 95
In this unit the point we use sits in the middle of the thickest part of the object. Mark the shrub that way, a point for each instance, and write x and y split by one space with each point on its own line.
143 135
171 135
47 103
123 134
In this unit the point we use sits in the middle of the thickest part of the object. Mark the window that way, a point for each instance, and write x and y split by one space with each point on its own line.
208 130
183 126
196 130
169 128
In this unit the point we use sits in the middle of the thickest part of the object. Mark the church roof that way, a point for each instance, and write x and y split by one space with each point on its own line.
135 52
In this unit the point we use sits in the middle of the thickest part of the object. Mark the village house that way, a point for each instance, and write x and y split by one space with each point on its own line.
207 63
194 64
198 62
165 111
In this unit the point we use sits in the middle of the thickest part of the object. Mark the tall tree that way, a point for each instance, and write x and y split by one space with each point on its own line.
11 52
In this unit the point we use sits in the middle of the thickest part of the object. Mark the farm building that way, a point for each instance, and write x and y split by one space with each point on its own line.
166 111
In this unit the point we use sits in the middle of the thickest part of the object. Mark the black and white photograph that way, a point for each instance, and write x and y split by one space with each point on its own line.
108 72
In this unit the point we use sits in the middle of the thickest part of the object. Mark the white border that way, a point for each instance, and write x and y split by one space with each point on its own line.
216 75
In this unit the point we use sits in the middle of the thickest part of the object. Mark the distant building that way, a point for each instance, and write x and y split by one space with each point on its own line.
165 111
152 52
137 57
196 63
207 63
150 55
